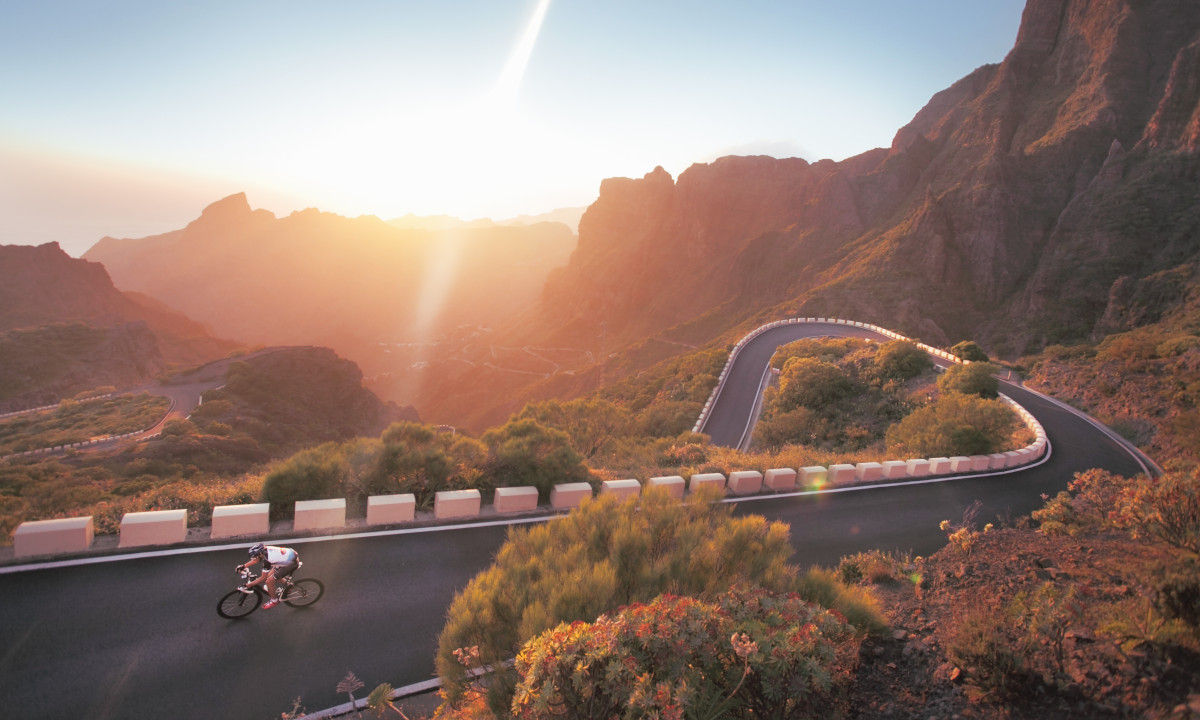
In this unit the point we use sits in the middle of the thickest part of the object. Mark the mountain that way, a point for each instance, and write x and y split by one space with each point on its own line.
567 216
1017 207
316 278
64 328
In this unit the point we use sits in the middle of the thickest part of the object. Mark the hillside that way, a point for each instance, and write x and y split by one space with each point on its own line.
64 328
40 366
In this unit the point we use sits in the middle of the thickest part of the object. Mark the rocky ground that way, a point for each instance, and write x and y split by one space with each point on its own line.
917 673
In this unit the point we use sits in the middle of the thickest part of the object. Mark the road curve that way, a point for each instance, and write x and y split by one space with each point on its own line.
140 638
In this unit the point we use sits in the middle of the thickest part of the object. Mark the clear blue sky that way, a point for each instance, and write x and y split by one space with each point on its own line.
125 118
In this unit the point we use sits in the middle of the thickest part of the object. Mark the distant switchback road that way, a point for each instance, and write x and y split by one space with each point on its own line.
140 638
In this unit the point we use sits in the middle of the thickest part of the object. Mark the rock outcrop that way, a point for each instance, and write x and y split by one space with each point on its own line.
1005 210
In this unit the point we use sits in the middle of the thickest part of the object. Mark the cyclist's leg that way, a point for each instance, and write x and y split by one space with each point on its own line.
283 573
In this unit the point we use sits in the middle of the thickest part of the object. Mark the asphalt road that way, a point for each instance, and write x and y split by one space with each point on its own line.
140 638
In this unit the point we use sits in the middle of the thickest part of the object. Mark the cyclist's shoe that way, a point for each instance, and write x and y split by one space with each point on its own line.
270 603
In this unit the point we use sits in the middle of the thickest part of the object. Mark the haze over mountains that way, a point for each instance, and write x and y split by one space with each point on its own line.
350 283
1036 200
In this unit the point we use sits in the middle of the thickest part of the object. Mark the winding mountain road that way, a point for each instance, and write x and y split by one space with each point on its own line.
138 637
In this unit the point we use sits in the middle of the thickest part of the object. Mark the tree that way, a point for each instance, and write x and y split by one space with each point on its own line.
901 360
525 452
602 556
969 350
973 379
954 424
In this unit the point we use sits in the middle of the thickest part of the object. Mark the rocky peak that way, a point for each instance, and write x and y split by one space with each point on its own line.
229 213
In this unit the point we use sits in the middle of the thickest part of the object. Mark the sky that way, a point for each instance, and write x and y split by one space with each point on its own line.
127 118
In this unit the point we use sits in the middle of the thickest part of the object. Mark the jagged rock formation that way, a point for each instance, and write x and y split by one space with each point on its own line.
1024 191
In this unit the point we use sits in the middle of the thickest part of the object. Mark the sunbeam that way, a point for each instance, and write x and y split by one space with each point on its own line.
509 83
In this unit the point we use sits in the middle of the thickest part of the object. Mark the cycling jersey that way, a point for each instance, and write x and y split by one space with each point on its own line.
277 556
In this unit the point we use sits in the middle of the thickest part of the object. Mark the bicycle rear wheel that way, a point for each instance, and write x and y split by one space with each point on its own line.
304 592
238 604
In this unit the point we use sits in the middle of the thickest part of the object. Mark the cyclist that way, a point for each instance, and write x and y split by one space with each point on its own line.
278 564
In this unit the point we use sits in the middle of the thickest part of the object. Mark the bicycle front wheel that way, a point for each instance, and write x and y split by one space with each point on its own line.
304 592
238 604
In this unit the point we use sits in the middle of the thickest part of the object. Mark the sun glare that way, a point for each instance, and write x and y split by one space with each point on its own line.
436 157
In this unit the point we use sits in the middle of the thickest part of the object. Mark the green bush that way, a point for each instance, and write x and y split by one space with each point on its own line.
1177 594
901 360
309 475
954 425
981 646
590 423
1084 506
749 653
525 452
969 350
418 459
1165 508
602 556
811 383
973 379
873 566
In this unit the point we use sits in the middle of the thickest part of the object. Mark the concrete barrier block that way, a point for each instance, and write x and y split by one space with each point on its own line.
621 489
745 482
1013 458
154 527
700 480
868 471
939 466
780 479
234 520
47 537
842 474
451 504
960 463
895 469
523 498
997 461
569 495
316 514
917 467
674 485
979 463
389 509
814 477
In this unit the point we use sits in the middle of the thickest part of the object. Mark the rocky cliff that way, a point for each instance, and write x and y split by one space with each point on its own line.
1010 208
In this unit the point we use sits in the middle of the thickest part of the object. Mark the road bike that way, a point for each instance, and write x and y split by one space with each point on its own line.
242 600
